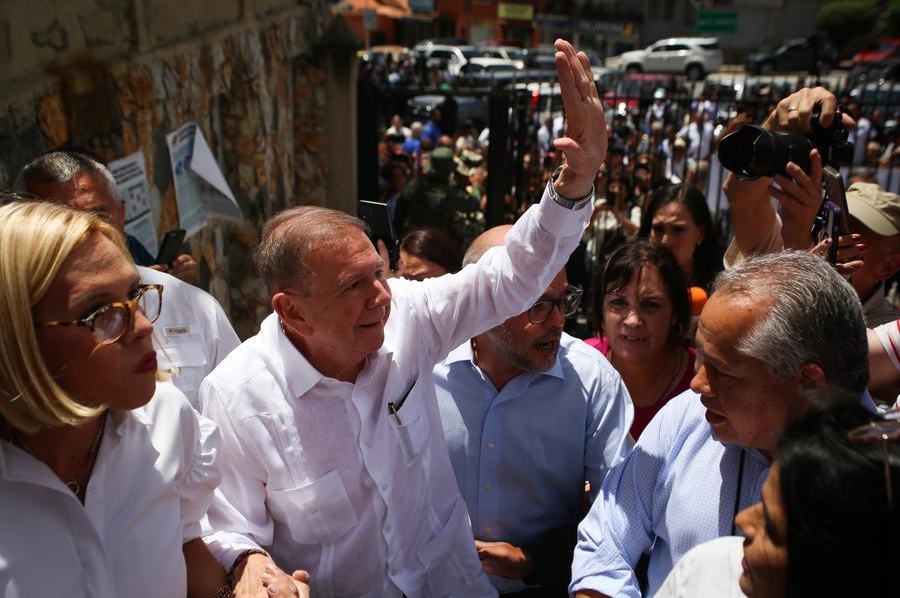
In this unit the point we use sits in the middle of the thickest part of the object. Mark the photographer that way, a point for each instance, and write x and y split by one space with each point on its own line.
874 214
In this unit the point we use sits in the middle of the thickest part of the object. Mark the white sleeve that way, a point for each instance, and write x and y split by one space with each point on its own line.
889 335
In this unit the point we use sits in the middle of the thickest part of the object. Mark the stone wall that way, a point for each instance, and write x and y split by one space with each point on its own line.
115 76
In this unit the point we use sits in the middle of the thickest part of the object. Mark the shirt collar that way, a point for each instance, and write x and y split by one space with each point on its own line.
299 374
464 353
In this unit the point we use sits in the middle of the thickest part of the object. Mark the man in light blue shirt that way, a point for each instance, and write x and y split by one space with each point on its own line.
529 413
776 324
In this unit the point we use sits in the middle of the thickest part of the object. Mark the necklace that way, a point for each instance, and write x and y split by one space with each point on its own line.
84 474
659 395
76 483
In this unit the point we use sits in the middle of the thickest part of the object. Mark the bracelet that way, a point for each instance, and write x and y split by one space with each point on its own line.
225 591
229 578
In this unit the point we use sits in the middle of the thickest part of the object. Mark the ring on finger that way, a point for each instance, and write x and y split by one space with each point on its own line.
792 108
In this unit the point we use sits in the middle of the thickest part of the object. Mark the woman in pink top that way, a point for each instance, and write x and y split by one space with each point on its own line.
641 311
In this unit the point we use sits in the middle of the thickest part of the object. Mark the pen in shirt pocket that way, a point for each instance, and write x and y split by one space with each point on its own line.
394 408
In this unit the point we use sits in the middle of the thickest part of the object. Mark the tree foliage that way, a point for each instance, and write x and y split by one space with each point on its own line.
847 20
855 23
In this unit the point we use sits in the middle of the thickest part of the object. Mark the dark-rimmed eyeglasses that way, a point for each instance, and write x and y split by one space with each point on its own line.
109 323
885 431
568 305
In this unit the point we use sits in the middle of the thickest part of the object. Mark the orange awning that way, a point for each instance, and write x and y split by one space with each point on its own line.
393 9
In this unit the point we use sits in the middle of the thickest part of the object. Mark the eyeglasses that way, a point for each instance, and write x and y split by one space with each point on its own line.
568 305
110 322
885 431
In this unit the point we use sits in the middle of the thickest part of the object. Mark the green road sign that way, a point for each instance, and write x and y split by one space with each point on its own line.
717 21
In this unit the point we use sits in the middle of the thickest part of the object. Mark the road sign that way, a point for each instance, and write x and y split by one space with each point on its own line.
716 21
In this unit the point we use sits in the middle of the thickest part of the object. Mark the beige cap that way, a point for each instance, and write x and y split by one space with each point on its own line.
680 142
877 209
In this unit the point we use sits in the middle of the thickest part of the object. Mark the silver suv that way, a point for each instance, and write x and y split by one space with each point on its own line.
446 56
691 56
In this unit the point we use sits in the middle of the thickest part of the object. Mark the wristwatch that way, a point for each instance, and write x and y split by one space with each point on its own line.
570 204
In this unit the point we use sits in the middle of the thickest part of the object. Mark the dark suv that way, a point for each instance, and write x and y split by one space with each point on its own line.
813 54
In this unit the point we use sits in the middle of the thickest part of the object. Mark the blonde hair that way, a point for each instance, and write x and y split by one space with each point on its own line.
36 238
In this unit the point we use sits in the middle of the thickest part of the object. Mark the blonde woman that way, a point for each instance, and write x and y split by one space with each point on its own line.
101 488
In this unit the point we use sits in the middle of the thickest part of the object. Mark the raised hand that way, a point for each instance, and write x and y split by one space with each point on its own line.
586 141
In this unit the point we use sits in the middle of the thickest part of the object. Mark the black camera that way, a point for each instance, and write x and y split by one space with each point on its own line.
752 152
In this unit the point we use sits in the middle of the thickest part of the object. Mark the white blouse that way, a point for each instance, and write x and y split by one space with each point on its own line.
150 487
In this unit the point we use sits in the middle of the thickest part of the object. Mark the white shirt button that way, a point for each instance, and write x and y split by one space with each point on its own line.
384 487
491 445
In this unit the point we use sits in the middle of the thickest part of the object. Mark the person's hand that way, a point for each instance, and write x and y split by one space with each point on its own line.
586 140
247 578
182 267
504 559
279 584
850 250
800 195
795 111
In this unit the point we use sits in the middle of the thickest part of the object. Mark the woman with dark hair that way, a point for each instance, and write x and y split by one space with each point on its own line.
678 217
641 311
428 252
828 522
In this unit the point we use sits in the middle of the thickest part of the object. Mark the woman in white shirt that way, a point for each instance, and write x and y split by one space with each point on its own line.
101 488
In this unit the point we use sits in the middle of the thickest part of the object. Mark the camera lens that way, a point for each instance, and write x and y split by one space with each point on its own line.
752 152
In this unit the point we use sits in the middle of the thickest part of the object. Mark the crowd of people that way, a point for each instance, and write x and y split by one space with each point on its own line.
434 430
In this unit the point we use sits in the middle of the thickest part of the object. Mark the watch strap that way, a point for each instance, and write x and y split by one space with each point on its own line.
569 204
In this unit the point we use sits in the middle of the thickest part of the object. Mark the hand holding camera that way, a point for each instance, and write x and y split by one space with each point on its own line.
801 143
795 128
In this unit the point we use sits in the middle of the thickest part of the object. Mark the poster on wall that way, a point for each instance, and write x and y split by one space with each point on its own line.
133 193
201 191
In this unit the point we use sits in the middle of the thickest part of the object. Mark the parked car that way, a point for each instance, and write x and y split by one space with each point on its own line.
514 53
446 56
813 54
691 56
541 57
473 108
378 53
488 71
885 47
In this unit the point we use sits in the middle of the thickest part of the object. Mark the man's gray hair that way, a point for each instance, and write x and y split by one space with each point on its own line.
289 239
61 167
812 316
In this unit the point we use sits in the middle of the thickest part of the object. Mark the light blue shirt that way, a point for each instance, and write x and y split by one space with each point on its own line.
521 455
674 491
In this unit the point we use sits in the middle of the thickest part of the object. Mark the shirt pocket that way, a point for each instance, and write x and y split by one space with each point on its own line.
183 354
319 512
440 556
411 432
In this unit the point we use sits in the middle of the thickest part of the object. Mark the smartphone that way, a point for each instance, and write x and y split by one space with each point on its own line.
832 219
833 183
170 248
832 229
378 216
